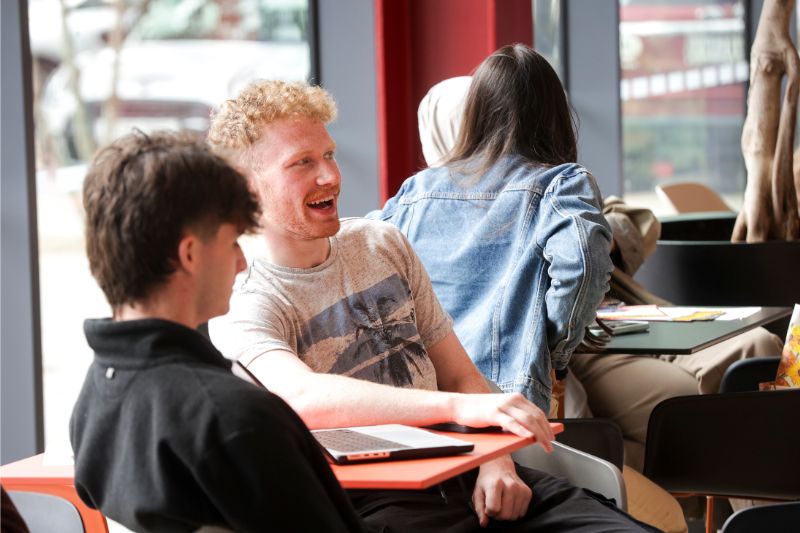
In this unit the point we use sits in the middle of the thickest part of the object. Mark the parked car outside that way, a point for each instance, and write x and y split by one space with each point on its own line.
163 84
178 61
88 21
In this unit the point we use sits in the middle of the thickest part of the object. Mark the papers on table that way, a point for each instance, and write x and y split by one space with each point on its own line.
657 313
738 313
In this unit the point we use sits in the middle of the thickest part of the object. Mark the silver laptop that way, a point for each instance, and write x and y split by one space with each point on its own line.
387 441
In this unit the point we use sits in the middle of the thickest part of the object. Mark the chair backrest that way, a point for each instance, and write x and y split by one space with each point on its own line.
580 468
734 444
745 375
46 513
690 197
775 518
600 437
696 264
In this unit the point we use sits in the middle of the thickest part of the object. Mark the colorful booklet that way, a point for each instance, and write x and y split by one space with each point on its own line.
789 367
656 313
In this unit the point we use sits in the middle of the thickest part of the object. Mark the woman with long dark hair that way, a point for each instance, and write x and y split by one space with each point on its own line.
508 226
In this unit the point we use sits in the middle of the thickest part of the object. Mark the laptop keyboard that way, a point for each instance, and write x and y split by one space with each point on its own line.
344 440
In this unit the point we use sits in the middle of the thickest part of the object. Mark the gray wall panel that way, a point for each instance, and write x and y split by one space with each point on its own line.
593 77
22 431
347 70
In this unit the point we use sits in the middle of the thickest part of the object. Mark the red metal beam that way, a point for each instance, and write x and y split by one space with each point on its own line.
421 42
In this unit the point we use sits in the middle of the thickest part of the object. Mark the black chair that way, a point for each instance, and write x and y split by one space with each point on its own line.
746 374
600 437
696 264
776 518
737 445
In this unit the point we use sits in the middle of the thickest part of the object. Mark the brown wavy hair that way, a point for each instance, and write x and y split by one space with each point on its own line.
141 194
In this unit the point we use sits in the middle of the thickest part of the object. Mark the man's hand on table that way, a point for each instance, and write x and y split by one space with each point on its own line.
513 412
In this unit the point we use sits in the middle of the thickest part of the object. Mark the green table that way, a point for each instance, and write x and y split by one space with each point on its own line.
682 338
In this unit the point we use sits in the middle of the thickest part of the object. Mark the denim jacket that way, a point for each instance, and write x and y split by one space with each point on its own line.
519 257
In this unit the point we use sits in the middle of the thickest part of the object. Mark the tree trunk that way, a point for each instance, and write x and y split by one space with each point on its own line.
770 202
126 18
81 122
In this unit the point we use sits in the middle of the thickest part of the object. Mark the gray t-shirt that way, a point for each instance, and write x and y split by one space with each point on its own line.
367 312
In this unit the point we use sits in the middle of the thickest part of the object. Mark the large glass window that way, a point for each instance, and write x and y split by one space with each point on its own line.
101 68
547 34
682 72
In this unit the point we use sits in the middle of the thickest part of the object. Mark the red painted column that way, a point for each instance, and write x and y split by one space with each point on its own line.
421 42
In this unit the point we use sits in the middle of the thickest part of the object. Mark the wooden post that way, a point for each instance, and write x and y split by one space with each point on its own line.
770 201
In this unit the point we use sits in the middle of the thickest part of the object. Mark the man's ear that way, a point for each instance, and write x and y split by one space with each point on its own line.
187 252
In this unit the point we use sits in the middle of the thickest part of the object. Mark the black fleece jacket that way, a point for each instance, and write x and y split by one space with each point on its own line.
166 438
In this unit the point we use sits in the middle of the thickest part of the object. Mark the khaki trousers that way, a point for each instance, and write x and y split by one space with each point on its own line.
651 504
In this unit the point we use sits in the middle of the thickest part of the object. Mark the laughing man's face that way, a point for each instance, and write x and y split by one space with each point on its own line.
298 180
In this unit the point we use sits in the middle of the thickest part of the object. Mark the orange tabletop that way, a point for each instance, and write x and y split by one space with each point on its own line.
424 473
32 470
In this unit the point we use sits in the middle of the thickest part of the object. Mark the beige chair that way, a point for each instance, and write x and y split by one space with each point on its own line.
580 468
690 197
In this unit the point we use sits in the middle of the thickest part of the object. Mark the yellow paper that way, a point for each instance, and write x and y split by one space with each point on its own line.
789 367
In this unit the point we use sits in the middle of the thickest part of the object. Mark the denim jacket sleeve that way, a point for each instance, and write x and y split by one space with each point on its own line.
389 208
575 239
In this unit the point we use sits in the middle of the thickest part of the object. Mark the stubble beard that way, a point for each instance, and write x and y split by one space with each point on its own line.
306 231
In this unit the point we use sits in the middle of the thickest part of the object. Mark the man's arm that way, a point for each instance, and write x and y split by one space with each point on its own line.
455 372
327 400
498 493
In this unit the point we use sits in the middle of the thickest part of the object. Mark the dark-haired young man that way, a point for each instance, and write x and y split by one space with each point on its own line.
166 438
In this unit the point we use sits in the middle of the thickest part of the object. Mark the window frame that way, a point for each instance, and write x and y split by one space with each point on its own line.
593 83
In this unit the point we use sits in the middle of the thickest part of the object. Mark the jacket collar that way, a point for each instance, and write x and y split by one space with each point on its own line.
147 342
